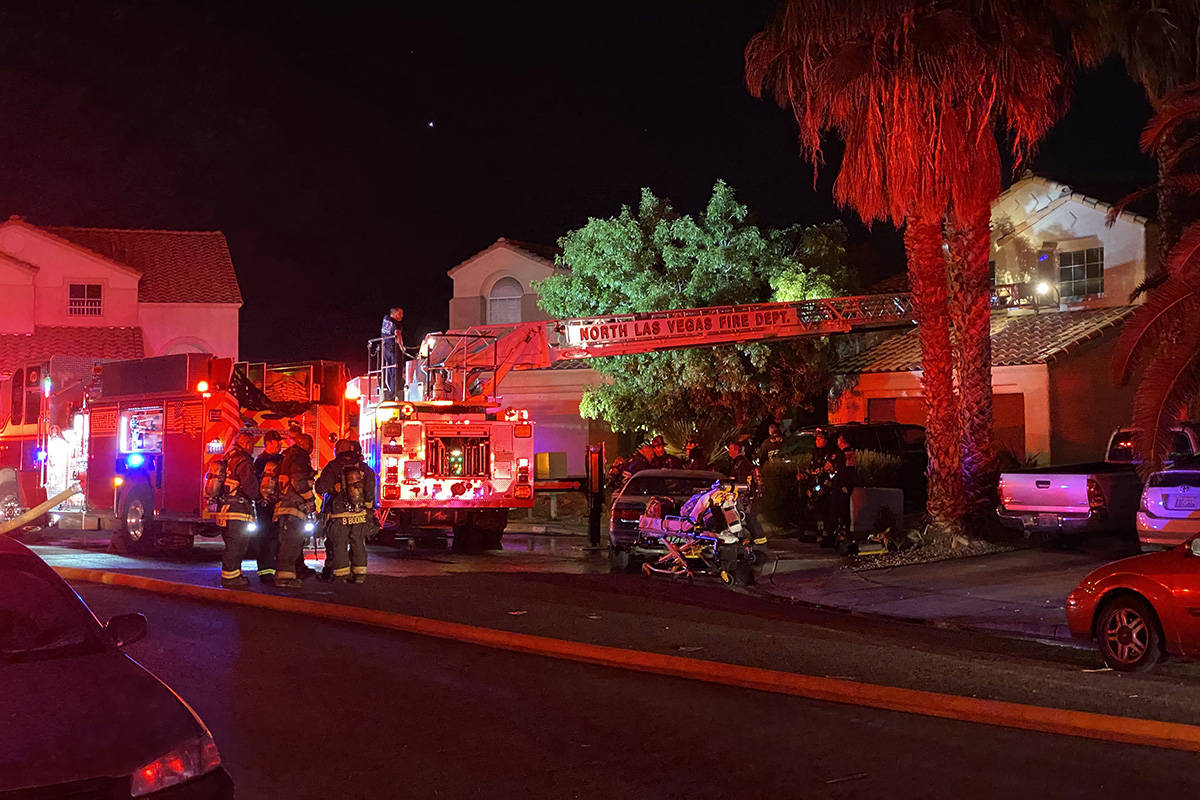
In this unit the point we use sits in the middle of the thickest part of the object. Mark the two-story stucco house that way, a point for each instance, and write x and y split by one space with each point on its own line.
1061 284
494 286
103 293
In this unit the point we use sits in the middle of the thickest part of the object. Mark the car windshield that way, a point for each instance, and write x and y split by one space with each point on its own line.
39 616
1121 449
667 485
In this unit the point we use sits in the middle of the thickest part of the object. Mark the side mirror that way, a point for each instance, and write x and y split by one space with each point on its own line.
1195 546
125 629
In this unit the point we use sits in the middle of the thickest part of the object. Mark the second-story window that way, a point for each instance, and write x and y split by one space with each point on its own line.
1081 273
504 302
85 300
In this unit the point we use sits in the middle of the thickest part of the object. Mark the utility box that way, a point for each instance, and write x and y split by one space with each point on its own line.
550 465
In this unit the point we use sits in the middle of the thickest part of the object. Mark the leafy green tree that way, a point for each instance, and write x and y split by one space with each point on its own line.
655 258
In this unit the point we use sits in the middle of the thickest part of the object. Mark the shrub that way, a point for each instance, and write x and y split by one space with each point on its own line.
877 469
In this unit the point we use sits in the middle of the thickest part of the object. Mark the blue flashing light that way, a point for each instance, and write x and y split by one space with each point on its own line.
134 460
39 455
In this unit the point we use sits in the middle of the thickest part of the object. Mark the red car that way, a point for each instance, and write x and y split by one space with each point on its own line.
1142 608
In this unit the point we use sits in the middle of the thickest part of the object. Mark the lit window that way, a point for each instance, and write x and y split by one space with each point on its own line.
1081 274
84 300
504 302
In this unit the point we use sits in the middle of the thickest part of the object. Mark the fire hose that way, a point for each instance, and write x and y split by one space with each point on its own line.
38 510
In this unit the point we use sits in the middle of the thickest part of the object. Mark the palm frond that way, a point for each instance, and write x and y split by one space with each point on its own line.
1147 285
1184 257
1172 380
1184 184
1165 307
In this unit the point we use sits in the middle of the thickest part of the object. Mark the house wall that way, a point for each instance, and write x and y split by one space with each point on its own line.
170 328
903 401
552 399
1037 215
1085 406
16 297
59 265
474 279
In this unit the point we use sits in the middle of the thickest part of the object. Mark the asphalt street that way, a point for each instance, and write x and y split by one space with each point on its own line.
311 708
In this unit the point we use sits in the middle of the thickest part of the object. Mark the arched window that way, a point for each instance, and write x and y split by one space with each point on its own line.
504 302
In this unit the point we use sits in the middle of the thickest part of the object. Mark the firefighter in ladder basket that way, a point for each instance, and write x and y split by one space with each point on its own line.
349 487
233 485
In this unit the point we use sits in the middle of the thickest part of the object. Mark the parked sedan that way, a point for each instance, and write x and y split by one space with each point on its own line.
630 501
1142 608
81 718
1169 513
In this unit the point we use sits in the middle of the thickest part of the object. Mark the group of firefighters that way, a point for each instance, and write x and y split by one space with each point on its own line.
823 482
272 502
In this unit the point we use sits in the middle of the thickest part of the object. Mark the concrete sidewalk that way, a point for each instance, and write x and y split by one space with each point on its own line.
1021 592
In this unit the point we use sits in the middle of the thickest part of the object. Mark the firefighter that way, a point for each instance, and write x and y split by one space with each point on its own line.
694 454
266 467
740 468
392 333
638 461
297 459
349 487
295 515
236 516
662 459
819 480
772 444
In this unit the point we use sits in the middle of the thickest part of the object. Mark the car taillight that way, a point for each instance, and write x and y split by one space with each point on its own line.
1095 494
191 759
628 514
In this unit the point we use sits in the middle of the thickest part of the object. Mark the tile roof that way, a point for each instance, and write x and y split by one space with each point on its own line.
539 252
63 340
1016 339
176 266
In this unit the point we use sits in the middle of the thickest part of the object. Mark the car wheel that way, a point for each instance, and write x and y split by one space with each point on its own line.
618 559
1129 635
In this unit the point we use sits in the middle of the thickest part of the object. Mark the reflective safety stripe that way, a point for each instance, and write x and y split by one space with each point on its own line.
359 570
282 574
288 511
341 572
233 573
266 572
351 517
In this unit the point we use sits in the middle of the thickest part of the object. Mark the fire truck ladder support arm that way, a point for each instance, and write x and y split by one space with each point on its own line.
496 349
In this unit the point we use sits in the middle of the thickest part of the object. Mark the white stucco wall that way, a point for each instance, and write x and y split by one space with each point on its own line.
474 279
170 328
16 297
552 398
1036 214
59 264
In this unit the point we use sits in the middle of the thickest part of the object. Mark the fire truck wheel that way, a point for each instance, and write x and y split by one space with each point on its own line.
467 538
493 539
137 520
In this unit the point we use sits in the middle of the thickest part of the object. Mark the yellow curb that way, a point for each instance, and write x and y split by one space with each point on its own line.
1105 727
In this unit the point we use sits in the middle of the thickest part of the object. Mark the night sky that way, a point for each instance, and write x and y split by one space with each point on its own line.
352 156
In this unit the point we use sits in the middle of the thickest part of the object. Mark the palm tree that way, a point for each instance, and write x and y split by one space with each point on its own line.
1163 332
1159 42
914 88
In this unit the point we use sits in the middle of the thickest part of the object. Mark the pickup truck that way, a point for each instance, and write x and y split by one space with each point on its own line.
1063 503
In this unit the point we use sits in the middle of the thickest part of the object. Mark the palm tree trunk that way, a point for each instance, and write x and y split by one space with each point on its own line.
971 317
928 276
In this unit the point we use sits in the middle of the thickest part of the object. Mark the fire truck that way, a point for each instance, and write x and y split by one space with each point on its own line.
450 453
138 435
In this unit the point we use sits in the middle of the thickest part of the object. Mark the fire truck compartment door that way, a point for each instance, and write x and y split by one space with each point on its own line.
502 452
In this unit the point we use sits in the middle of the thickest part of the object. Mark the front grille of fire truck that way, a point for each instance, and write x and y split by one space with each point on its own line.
458 457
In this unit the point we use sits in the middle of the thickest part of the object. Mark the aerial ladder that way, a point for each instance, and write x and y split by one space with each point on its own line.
448 454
